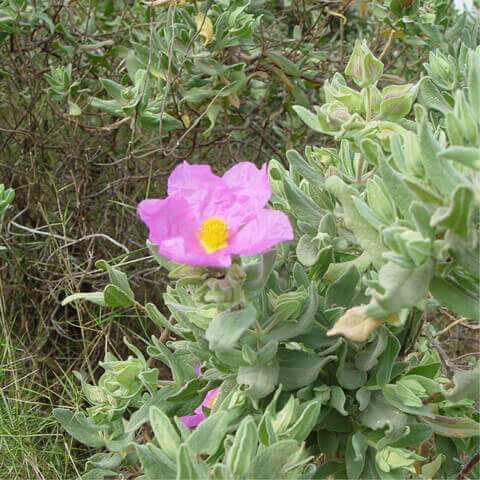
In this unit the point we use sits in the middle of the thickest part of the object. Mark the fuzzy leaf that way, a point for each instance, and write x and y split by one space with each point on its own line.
298 368
261 379
81 427
226 328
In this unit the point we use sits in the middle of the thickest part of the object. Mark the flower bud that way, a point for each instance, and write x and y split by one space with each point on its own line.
226 290
391 458
386 130
380 200
323 157
238 399
442 70
363 67
287 306
337 90
397 101
332 116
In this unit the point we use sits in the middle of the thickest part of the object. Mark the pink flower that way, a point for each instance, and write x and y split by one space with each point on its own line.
205 218
199 416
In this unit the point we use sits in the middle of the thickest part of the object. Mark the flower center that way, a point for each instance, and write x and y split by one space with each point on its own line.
211 402
213 234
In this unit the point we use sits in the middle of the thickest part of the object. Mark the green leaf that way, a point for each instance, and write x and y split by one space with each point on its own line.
459 216
307 252
73 109
107 461
117 278
310 119
209 435
474 84
298 163
284 63
114 297
468 156
387 359
160 320
439 171
257 273
188 467
165 434
94 297
197 95
421 191
368 214
110 106
403 400
348 375
268 463
466 385
298 368
342 292
261 379
453 427
372 151
355 455
366 235
337 399
367 358
417 433
243 449
226 328
400 194
430 469
363 396
98 474
301 429
403 288
114 89
266 432
81 427
430 96
421 217
336 270
380 413
455 297
302 206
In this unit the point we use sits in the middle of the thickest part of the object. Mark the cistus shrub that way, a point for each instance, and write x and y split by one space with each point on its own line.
295 337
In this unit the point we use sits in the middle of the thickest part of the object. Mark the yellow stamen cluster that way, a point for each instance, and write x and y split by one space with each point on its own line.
213 234
212 401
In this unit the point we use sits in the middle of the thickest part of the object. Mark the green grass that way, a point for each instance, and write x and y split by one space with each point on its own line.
32 445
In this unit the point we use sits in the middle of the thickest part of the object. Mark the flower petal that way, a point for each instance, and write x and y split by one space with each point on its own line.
167 218
191 252
173 226
192 420
193 181
208 397
249 184
267 229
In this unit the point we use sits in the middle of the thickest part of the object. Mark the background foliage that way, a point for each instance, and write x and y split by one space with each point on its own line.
101 99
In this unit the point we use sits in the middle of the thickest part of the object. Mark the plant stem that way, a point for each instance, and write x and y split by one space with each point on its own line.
466 469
